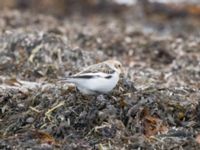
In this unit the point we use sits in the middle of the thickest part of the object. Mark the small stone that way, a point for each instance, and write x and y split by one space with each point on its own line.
30 120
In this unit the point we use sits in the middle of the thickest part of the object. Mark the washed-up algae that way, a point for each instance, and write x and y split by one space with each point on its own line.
154 106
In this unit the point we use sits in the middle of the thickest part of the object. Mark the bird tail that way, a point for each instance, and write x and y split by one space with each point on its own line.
67 79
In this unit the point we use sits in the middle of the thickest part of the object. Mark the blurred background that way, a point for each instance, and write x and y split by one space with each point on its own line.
152 11
138 30
73 6
158 43
66 6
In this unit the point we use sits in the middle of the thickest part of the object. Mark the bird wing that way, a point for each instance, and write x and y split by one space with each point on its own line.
92 75
101 67
101 70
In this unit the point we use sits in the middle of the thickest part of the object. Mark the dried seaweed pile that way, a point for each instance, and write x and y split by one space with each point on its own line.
154 106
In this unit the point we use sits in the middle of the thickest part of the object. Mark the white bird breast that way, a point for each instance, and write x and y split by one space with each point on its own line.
97 84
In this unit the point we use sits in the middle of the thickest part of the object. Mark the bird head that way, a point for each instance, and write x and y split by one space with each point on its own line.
115 65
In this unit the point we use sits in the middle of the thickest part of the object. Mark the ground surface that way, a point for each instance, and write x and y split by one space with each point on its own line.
154 106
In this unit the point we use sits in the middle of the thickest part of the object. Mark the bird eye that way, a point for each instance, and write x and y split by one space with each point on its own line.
118 66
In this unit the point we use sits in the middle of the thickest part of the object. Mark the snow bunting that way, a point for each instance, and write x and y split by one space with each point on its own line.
98 78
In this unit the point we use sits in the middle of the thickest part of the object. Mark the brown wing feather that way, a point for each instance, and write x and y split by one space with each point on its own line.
101 67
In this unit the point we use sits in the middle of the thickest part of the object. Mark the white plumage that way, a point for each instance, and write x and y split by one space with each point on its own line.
98 78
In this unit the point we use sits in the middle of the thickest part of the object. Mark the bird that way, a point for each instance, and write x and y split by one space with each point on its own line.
100 78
